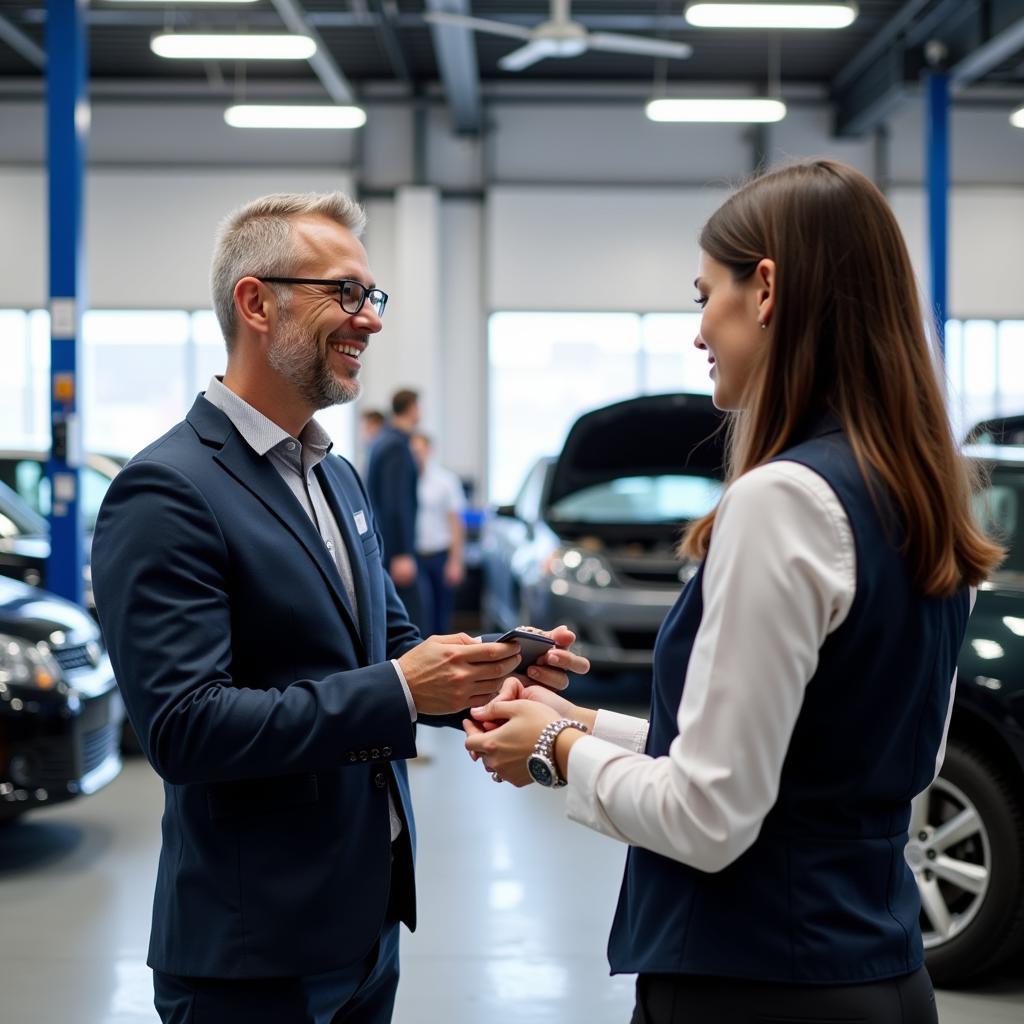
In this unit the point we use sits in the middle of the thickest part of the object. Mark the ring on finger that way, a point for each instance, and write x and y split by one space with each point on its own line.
496 777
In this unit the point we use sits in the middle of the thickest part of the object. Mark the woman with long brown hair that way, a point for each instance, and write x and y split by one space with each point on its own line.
803 681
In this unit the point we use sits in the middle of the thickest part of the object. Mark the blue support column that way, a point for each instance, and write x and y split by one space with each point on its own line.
67 131
937 176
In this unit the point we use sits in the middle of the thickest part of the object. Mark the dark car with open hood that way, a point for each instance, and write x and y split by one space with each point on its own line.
591 538
60 710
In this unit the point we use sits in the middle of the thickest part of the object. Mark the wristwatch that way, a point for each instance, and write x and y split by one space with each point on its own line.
541 764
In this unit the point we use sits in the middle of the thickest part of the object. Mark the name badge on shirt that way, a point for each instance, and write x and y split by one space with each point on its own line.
360 522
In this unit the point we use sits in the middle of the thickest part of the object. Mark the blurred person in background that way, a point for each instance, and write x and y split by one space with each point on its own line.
440 535
392 478
370 423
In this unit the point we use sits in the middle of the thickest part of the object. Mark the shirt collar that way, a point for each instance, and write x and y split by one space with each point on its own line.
260 432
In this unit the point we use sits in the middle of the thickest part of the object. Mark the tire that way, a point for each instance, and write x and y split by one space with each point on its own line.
971 876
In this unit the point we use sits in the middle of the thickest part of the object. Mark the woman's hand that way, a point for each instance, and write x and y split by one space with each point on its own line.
552 666
505 750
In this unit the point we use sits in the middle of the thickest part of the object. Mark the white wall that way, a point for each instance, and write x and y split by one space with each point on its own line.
541 212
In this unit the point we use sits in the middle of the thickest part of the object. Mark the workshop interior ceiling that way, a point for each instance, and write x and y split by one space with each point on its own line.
371 42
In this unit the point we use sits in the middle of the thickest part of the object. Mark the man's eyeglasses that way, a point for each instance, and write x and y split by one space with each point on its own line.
351 294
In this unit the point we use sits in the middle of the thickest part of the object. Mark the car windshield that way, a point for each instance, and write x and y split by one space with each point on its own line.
639 499
17 519
999 508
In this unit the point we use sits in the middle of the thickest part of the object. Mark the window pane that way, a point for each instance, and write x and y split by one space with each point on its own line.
955 377
209 356
15 381
981 375
546 369
671 361
1011 366
135 363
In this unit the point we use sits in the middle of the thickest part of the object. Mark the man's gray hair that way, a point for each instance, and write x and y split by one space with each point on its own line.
256 240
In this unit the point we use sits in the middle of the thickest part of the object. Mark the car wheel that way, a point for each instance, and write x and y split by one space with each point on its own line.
966 850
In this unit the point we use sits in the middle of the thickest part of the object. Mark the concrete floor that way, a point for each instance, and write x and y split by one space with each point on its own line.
515 904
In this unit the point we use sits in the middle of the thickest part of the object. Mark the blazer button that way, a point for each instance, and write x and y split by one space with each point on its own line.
363 755
386 751
379 780
375 754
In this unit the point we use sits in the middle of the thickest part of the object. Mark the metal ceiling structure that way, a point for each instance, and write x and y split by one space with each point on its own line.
866 68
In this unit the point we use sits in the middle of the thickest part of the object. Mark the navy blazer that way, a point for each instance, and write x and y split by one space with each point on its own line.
392 480
268 705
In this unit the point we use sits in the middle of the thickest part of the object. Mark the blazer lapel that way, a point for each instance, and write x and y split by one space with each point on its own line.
258 476
345 513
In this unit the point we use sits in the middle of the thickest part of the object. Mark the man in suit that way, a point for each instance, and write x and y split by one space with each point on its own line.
392 483
267 665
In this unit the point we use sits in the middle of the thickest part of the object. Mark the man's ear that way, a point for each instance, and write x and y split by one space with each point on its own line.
254 304
764 280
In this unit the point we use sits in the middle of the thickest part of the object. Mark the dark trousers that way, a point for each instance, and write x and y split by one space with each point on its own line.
363 993
681 999
438 596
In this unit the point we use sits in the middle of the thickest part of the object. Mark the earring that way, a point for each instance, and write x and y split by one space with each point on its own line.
764 324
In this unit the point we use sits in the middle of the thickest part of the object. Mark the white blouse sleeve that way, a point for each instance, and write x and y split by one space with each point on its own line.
780 576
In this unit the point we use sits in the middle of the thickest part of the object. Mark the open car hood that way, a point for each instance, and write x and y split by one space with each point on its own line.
647 436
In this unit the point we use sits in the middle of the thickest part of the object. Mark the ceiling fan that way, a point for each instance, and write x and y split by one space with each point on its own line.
559 36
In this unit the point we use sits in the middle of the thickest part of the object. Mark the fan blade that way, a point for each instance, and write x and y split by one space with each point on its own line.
615 42
498 28
537 49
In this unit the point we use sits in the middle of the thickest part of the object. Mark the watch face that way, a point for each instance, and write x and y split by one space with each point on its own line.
540 771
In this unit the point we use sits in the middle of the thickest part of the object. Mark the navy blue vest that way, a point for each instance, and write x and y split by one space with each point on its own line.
824 894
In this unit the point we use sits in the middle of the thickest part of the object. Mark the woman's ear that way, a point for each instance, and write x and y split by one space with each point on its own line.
764 281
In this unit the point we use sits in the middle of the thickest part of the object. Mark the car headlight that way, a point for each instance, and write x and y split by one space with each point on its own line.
27 665
578 566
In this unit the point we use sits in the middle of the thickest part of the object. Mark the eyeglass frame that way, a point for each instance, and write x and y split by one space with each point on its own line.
340 285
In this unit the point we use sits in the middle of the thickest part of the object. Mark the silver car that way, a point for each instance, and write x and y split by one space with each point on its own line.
590 540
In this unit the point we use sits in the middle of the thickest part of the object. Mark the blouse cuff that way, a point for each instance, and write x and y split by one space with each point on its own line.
587 759
622 730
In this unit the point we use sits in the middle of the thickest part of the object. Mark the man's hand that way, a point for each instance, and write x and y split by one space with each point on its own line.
552 666
449 673
402 570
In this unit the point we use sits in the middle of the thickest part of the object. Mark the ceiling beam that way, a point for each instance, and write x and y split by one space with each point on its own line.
457 63
981 61
968 38
389 41
324 66
22 44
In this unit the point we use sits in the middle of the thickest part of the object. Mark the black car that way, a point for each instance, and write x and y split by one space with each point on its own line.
967 831
25 544
60 710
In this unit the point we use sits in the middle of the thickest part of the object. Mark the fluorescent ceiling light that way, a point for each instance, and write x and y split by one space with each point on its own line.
720 111
293 116
1017 118
236 46
771 15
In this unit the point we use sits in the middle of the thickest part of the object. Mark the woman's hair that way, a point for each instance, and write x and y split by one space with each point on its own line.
848 338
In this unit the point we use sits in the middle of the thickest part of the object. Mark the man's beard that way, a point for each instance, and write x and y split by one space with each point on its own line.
295 353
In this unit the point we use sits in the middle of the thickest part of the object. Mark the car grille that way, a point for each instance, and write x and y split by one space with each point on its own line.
664 574
75 656
63 759
97 746
636 639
